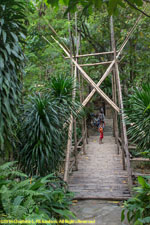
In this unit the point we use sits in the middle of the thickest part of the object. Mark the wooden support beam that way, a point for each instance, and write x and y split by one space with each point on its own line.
75 146
140 174
102 198
69 143
125 144
81 139
75 76
91 54
132 147
140 159
95 64
122 156
86 131
114 92
89 80
83 134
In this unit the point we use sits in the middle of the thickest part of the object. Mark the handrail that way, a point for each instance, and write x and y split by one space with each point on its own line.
123 152
73 162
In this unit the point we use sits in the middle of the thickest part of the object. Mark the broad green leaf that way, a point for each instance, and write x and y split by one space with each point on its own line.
138 223
4 36
145 220
8 48
5 54
22 35
122 215
18 200
15 53
14 36
1 62
142 181
2 21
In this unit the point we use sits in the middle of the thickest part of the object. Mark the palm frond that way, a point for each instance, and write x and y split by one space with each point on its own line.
138 117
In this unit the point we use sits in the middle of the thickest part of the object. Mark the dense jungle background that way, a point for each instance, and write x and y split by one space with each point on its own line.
36 89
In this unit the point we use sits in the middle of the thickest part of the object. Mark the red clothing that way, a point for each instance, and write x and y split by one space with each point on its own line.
101 136
101 133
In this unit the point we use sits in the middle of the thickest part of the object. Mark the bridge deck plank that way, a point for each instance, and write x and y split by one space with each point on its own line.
100 172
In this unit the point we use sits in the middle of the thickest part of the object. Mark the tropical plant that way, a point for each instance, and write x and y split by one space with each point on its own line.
25 198
138 117
41 135
12 30
61 90
138 207
98 4
62 87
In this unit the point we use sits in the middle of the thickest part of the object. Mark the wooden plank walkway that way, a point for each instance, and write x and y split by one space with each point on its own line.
100 174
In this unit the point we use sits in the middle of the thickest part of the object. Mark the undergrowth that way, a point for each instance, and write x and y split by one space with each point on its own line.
37 198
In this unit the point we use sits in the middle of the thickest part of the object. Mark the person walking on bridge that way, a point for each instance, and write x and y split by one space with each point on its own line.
101 118
101 133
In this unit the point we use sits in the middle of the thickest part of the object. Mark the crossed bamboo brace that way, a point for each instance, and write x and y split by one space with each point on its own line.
109 69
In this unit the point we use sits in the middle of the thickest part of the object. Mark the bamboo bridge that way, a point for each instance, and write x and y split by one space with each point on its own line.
101 171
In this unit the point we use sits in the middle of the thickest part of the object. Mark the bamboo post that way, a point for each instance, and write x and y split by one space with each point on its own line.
69 143
82 123
123 159
75 76
86 131
113 98
81 100
122 112
83 134
114 88
83 120
75 146
116 116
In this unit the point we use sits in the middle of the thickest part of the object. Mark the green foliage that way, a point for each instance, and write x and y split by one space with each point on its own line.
44 60
41 135
61 89
138 117
138 207
112 5
36 198
12 33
